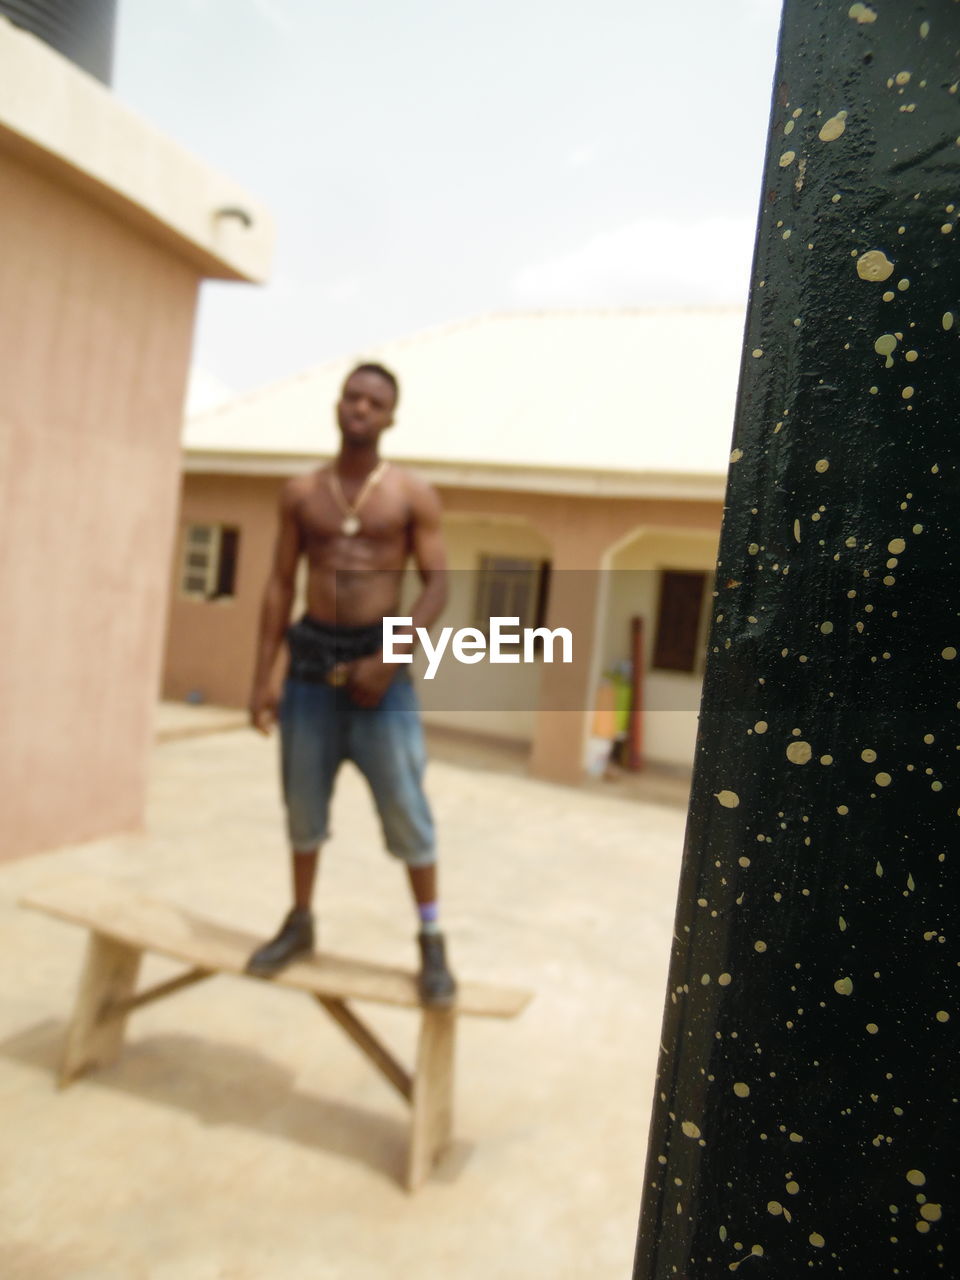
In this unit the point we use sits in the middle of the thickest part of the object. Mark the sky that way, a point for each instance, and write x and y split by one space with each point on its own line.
427 161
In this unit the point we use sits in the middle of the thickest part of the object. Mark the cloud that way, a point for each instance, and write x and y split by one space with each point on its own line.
205 391
581 155
275 13
652 261
346 289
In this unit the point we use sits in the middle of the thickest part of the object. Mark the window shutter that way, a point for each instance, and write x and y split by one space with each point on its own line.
678 619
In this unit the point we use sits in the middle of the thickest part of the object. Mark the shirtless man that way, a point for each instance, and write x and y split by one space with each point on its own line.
357 522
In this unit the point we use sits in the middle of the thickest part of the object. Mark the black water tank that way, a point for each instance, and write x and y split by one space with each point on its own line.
82 30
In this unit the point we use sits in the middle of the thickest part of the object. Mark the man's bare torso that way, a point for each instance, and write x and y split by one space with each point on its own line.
354 580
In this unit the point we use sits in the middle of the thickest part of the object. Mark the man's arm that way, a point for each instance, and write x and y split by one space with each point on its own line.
275 610
429 556
370 677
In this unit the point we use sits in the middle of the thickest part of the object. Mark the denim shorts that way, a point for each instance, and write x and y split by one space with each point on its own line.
320 727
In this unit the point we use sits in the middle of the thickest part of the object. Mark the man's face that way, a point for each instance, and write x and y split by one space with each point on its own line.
365 408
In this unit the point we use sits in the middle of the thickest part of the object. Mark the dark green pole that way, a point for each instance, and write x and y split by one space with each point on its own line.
806 1113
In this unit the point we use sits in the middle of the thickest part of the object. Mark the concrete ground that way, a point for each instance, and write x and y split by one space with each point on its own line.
242 1137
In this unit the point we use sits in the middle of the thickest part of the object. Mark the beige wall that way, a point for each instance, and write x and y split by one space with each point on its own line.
95 330
211 644
671 698
457 695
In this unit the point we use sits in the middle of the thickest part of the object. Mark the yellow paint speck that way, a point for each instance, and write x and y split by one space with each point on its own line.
888 295
911 355
741 1090
787 158
924 30
736 455
872 1028
842 810
690 1129
817 1240
760 727
885 345
799 752
942 1015
843 986
752 549
757 352
902 77
774 1207
907 393
883 779
916 1178
792 1188
868 754
861 13
947 320
896 546
796 530
821 465
834 127
903 285
932 1212
724 980
949 653
874 265
946 228
826 628
729 799
760 946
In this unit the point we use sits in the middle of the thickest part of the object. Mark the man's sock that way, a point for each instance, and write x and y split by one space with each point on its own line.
429 914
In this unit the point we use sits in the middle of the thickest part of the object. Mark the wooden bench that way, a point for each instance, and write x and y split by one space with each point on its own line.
124 924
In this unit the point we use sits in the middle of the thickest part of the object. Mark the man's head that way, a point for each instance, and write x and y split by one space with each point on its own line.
367 403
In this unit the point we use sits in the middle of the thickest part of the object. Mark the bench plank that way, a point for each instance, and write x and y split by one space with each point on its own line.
432 1114
136 921
369 1045
95 1033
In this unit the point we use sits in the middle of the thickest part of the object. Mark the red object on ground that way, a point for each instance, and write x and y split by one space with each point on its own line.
635 733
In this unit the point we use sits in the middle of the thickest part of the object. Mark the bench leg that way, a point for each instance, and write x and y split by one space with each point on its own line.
432 1101
95 1035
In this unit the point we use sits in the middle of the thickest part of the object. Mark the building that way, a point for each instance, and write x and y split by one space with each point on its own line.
106 231
581 458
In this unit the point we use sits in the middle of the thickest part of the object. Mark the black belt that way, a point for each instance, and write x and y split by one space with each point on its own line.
320 652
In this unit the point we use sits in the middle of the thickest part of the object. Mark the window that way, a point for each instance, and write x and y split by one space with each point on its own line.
678 640
209 566
511 588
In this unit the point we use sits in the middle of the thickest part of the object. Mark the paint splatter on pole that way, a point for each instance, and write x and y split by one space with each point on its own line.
805 1119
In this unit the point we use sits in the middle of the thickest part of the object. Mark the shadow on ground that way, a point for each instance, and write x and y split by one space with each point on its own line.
222 1084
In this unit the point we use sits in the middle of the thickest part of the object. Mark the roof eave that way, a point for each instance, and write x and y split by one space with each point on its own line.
691 486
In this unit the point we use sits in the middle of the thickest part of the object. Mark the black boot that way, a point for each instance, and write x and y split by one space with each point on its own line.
294 939
436 983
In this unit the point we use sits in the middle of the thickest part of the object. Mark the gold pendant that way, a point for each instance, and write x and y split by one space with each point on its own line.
350 526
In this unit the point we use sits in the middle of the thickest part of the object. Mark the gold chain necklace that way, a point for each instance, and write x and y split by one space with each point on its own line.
350 525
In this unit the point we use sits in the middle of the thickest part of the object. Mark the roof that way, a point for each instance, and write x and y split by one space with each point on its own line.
57 116
646 393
